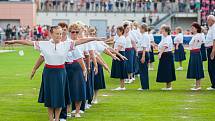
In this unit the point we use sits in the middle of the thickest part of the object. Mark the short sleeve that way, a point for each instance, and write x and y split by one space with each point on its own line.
37 45
213 31
70 45
166 42
100 47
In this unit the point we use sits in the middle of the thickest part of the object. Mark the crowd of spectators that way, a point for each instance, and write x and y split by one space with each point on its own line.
13 32
119 5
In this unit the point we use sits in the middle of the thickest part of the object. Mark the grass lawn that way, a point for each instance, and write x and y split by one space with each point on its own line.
18 96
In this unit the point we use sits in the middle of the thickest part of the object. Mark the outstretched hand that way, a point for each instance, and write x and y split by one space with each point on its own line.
32 74
9 42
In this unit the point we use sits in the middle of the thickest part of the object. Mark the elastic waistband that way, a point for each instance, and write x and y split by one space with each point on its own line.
195 50
128 49
54 66
72 62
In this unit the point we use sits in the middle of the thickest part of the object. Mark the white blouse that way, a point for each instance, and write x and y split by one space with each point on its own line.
166 42
74 55
179 38
120 41
210 36
196 41
144 42
54 54
128 42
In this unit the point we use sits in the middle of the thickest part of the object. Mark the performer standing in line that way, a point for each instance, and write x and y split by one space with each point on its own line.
179 48
195 68
166 67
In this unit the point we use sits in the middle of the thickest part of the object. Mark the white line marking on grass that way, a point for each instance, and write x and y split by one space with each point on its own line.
104 95
6 51
187 108
184 117
19 94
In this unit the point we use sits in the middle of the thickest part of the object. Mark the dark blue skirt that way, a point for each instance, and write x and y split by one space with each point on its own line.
54 91
195 68
179 54
136 65
99 82
129 54
203 52
90 83
151 55
166 68
119 69
77 83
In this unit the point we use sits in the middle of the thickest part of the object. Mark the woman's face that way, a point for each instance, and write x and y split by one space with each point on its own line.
57 34
74 33
127 29
119 33
92 33
177 31
163 32
65 30
193 30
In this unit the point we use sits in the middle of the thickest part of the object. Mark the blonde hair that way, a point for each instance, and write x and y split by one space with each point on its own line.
74 26
179 29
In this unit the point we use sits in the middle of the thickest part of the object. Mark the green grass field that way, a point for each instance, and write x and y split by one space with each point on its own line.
18 96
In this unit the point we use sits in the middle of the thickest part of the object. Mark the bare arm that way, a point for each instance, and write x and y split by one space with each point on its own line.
101 61
106 51
161 52
85 40
38 63
117 53
92 56
83 66
23 42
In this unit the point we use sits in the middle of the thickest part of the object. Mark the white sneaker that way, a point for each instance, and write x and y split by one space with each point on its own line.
140 89
69 115
81 111
74 111
130 81
210 88
77 115
195 89
126 81
62 119
167 89
87 106
95 101
180 69
119 89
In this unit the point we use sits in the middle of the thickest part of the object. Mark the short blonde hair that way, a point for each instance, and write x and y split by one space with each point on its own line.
74 27
179 29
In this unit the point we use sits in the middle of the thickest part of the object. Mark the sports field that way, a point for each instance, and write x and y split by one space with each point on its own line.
18 95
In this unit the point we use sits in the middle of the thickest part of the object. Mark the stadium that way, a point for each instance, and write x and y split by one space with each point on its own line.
107 60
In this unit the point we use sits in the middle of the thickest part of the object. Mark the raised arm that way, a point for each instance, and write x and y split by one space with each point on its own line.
85 40
23 42
101 61
117 53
